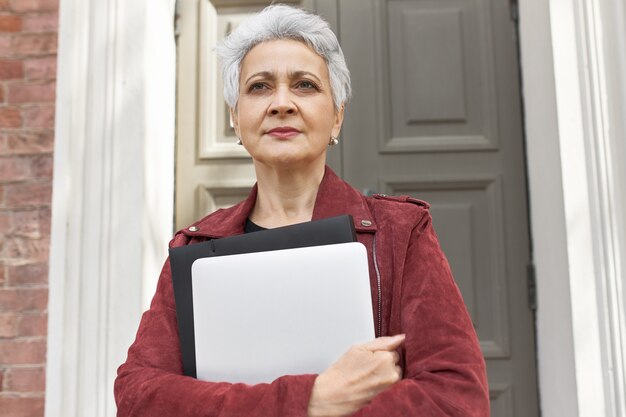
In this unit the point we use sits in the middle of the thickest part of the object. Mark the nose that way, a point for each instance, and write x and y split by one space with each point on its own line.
282 103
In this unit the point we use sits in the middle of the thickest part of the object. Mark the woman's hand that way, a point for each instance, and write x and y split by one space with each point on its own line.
357 377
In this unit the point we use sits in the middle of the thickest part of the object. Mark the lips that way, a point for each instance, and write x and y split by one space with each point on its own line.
283 132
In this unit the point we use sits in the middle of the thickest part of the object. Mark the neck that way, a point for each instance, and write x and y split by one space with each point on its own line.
285 196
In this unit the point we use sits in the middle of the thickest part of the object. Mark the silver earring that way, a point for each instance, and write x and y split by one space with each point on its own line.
333 141
239 142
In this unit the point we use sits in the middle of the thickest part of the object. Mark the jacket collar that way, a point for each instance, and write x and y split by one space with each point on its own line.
334 197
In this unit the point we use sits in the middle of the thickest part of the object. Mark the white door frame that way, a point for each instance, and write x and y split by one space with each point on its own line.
571 55
113 188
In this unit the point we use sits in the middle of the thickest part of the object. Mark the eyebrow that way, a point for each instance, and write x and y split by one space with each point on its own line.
291 74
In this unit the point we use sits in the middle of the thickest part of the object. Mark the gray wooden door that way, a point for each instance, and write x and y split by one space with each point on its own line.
436 115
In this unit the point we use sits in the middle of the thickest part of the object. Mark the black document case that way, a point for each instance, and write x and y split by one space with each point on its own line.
328 231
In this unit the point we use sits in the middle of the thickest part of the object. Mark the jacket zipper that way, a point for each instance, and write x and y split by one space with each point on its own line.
380 293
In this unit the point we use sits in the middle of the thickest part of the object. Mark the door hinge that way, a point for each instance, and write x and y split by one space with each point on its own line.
514 7
177 12
531 283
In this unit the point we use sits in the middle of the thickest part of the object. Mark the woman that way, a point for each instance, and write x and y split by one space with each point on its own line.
286 83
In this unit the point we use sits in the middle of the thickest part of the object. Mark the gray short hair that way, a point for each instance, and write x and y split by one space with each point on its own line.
283 22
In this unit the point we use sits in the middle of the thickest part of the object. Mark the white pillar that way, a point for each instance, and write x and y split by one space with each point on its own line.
113 191
572 53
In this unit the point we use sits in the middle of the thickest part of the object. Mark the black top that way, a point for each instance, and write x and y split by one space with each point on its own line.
252 227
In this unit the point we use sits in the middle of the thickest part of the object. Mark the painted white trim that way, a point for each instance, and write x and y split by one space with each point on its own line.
605 65
112 207
574 114
555 347
159 139
613 40
569 100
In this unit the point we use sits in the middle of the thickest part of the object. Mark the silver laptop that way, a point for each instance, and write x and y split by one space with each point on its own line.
258 316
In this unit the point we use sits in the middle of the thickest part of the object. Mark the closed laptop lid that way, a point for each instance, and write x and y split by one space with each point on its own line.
258 316
332 230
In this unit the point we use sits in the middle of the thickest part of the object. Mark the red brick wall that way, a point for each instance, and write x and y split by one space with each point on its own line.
28 43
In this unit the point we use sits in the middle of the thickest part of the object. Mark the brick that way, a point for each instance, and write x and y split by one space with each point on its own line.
27 143
24 167
10 23
25 223
31 224
31 93
23 300
2 95
44 68
18 275
10 70
10 118
34 5
6 45
1 274
5 223
32 325
39 117
22 406
8 326
14 168
22 352
45 217
27 195
41 166
15 249
26 379
34 44
41 22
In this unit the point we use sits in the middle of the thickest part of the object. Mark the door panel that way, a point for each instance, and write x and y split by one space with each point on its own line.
439 69
436 115
467 216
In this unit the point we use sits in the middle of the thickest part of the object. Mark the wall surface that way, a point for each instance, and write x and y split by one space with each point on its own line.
28 43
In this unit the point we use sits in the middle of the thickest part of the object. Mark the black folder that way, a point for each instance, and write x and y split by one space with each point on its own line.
328 231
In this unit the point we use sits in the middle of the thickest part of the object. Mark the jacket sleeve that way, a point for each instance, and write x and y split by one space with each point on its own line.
444 370
151 383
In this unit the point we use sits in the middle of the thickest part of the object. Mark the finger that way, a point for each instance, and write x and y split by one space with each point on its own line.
384 343
387 358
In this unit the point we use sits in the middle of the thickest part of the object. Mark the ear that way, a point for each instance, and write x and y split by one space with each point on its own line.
234 121
338 121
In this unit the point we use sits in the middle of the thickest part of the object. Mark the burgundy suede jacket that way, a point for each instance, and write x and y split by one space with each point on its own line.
412 292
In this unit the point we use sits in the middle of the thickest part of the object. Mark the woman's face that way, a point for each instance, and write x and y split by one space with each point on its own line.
285 114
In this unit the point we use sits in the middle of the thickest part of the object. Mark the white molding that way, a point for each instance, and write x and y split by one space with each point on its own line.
599 21
572 100
573 113
555 345
113 187
217 139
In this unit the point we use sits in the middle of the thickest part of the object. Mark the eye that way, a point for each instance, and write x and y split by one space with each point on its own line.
307 85
257 87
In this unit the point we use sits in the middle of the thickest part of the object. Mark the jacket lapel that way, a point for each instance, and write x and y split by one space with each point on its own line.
334 197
